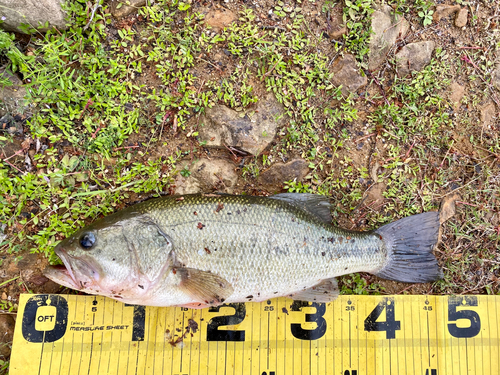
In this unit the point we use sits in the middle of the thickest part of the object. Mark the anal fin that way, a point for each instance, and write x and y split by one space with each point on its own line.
203 286
326 291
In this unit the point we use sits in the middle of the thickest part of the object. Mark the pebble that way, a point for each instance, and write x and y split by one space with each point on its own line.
461 18
7 324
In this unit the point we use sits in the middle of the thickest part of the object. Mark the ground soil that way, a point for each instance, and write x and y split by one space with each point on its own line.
365 149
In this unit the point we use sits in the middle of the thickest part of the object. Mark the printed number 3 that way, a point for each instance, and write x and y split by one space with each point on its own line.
317 317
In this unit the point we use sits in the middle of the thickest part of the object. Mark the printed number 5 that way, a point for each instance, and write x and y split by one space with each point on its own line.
471 316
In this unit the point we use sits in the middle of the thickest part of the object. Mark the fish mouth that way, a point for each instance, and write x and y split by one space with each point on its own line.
62 274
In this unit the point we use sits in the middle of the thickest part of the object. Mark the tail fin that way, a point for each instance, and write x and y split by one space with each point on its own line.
409 243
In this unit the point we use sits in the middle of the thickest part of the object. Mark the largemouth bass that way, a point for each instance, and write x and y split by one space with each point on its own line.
204 250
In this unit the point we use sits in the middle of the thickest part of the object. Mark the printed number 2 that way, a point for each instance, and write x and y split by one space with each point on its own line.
471 316
390 326
213 333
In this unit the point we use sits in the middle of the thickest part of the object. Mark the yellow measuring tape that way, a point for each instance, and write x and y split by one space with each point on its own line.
355 335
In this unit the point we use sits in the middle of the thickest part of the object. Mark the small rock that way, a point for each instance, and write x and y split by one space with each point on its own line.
4 296
488 113
387 28
12 97
278 173
7 324
443 11
219 19
375 195
50 287
207 176
3 236
461 18
414 56
338 34
32 12
125 9
250 131
447 209
495 77
38 279
456 93
346 73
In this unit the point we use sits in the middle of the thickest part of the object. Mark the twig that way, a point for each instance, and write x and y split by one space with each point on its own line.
95 133
124 147
390 27
467 59
458 188
408 153
491 152
453 141
366 136
208 62
467 204
16 153
89 103
97 6
201 86
13 166
269 72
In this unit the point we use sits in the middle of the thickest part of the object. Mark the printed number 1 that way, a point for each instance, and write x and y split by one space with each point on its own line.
138 322
390 326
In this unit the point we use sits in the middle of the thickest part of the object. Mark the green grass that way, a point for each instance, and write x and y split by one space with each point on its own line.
107 98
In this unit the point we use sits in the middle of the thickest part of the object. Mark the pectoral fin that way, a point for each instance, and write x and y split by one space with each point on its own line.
325 291
203 286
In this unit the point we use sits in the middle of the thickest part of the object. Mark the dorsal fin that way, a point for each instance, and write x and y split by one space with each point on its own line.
315 204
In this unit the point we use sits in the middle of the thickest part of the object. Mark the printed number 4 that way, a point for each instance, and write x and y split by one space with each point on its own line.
390 326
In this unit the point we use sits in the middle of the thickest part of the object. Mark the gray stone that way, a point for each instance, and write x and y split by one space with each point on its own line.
121 9
7 324
495 77
207 176
387 28
414 56
456 93
250 131
12 97
488 113
339 33
346 73
461 18
443 11
219 19
32 12
273 178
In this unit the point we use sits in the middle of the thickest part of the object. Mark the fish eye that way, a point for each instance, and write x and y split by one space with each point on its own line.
87 240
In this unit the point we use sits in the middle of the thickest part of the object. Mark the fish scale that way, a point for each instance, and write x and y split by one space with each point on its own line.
251 240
